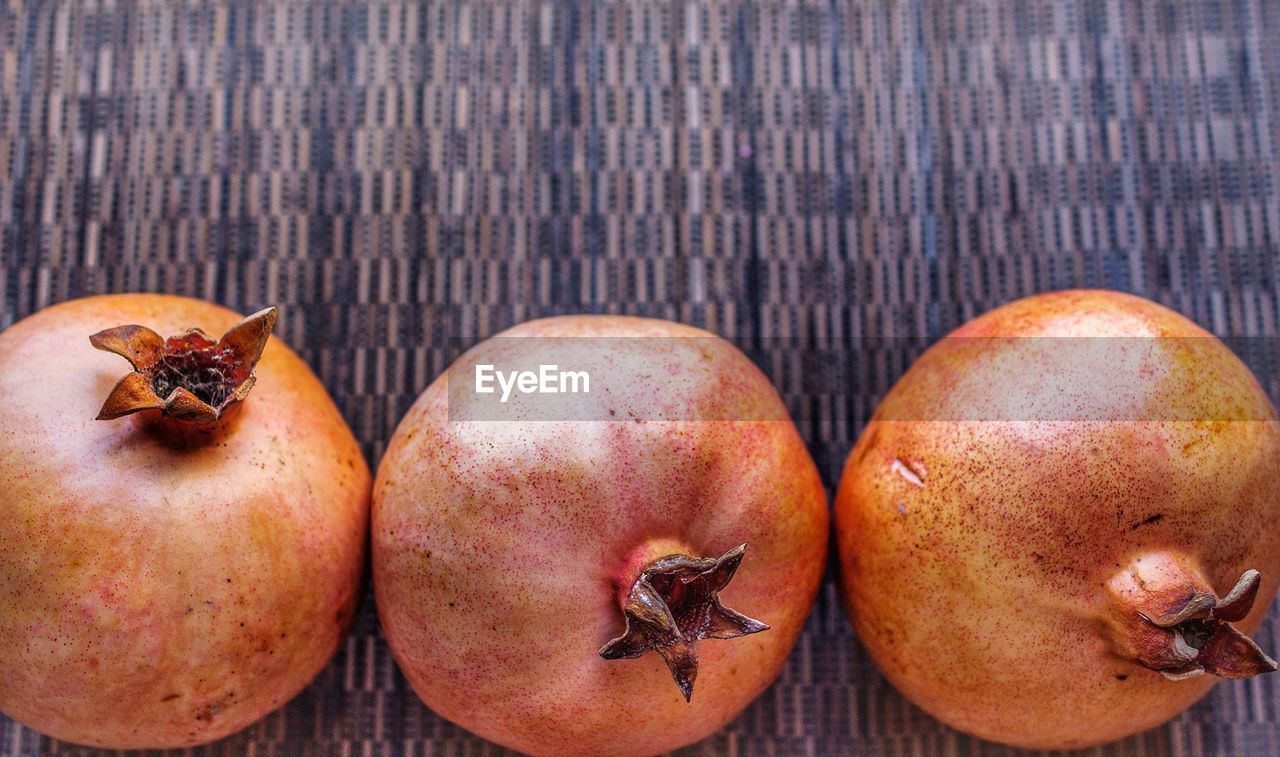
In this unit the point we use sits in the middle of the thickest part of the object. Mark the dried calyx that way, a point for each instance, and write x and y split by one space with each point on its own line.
190 377
1202 639
672 605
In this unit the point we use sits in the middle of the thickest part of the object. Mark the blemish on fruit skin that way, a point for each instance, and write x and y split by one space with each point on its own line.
904 470
1147 521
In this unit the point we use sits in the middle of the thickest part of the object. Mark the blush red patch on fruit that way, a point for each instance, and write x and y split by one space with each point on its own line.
568 511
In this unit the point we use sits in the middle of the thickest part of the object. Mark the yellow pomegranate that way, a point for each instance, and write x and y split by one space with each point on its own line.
1061 524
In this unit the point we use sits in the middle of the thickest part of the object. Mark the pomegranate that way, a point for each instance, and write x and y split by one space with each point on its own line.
1055 542
542 580
185 564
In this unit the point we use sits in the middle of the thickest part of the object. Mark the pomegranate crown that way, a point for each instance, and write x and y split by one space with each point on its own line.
191 376
674 603
1202 640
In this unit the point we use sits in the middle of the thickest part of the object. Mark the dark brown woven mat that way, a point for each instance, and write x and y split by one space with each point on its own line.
809 179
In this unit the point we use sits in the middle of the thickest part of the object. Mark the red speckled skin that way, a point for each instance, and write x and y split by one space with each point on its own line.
499 548
983 594
159 596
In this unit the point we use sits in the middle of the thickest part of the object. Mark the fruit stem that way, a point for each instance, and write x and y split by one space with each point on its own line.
190 378
674 603
1168 619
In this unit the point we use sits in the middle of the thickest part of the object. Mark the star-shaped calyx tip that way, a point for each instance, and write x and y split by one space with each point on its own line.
672 605
191 376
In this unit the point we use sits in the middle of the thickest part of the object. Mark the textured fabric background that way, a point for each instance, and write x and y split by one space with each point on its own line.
809 179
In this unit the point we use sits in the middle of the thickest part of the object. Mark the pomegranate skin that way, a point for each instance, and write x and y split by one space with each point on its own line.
502 551
985 562
161 590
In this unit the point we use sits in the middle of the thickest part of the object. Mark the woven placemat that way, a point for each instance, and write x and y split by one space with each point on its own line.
828 184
